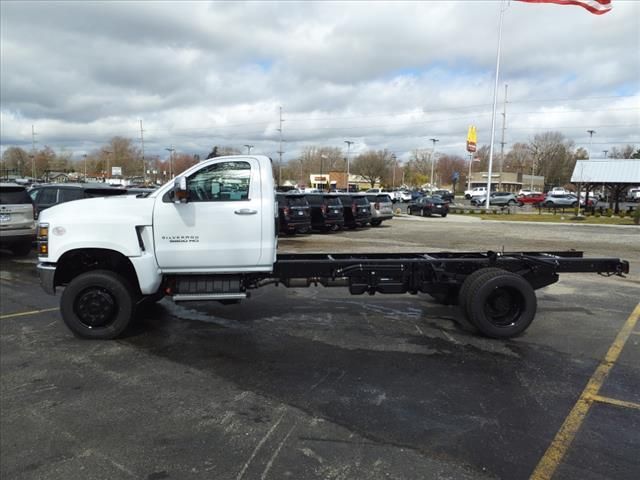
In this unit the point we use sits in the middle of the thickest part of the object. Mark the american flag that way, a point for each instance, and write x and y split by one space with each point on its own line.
597 7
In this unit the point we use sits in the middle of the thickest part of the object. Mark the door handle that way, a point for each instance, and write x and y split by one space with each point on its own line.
245 211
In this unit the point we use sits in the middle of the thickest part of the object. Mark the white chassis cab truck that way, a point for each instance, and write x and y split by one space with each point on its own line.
211 234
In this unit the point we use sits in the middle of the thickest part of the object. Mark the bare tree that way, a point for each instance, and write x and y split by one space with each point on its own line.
553 156
373 165
15 160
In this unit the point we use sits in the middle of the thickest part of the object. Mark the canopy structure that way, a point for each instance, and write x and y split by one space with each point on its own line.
616 175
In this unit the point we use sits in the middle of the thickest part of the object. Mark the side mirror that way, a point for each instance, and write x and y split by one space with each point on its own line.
180 192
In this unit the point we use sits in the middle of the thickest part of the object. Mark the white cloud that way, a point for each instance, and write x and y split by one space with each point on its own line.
385 74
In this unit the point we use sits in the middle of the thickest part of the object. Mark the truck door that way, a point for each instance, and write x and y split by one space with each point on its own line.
219 227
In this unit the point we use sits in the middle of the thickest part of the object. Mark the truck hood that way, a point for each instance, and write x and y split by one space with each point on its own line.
121 209
108 223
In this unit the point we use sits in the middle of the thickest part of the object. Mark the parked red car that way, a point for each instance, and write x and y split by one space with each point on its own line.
532 198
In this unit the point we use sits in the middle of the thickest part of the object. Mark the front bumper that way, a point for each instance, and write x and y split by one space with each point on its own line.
47 272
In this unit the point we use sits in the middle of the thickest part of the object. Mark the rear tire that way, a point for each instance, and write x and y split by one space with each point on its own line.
443 215
501 304
98 305
466 286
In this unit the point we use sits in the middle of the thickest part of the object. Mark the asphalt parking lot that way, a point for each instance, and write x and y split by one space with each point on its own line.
314 383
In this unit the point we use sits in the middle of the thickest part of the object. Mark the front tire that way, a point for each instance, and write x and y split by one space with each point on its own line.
376 223
98 305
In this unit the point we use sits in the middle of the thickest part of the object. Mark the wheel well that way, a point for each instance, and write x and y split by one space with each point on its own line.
76 262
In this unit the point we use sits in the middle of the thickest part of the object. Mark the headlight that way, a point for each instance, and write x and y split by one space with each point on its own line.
43 239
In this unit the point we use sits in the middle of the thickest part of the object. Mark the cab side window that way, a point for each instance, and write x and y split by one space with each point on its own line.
66 194
220 182
48 196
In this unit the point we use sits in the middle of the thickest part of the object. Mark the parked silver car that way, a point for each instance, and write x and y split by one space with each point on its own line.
496 198
381 208
560 200
17 224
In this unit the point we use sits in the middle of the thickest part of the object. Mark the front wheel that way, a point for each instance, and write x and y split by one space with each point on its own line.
376 223
97 305
511 203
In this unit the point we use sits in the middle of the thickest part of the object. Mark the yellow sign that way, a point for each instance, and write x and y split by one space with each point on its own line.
471 139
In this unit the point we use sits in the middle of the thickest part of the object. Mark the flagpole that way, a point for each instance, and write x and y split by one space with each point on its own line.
503 8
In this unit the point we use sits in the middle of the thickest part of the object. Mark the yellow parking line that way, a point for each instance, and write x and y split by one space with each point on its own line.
615 401
555 453
32 312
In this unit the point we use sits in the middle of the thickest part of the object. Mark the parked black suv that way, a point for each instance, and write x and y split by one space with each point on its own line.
45 196
326 211
294 213
357 210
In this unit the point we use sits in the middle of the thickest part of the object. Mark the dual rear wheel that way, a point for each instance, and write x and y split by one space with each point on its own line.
499 303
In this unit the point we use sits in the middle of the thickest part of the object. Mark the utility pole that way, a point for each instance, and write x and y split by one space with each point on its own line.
33 152
349 143
85 166
280 152
433 159
144 166
249 147
502 143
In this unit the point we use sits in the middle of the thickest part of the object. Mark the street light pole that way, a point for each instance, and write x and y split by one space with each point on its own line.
590 132
395 165
108 152
433 159
349 143
605 153
170 150
249 147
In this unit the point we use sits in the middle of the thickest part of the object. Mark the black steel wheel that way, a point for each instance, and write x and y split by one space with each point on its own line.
98 305
500 304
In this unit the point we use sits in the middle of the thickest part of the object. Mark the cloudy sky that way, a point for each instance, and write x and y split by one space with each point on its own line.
381 74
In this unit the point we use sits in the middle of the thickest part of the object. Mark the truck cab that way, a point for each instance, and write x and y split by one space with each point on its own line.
217 218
